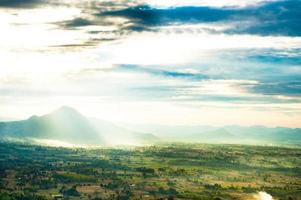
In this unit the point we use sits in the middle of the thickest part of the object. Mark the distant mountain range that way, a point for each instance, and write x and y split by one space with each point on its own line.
226 134
69 126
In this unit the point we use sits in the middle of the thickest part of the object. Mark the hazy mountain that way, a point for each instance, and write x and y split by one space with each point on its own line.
226 134
113 134
277 134
68 125
217 134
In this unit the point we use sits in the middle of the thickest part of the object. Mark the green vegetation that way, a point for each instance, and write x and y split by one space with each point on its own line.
70 177
166 171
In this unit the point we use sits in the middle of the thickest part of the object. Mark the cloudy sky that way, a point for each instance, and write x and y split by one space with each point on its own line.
175 62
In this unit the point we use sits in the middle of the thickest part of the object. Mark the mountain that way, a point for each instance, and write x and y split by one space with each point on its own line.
67 125
214 135
276 135
227 134
115 135
217 135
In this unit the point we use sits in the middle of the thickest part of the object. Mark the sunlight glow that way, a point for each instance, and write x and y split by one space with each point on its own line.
54 143
263 196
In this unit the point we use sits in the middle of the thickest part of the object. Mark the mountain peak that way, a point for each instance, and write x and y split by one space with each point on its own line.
65 113
65 109
33 117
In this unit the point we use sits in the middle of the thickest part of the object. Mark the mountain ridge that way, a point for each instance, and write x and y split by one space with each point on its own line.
236 134
68 125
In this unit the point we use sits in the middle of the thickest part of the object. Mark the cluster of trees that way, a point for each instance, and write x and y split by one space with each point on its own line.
69 191
20 196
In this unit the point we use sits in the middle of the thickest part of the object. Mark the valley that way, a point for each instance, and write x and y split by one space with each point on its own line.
165 171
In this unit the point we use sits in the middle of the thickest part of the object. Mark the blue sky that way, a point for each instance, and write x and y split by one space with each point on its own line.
192 62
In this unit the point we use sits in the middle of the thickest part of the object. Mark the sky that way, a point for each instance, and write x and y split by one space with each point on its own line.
170 62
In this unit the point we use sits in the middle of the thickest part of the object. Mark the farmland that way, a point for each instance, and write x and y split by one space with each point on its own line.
165 171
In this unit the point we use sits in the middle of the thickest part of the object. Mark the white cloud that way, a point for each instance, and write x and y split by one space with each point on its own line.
162 48
229 88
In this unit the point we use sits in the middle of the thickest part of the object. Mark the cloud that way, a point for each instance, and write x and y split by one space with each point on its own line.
219 3
198 56
78 22
163 72
291 88
277 18
248 93
20 3
167 48
277 57
146 15
273 18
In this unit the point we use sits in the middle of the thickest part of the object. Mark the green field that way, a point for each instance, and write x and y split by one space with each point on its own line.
167 171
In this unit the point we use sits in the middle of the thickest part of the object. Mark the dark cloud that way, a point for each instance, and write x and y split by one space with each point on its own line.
78 22
146 15
271 18
275 18
96 36
20 3
290 88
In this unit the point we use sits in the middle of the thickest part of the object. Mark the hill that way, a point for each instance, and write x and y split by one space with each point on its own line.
68 125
